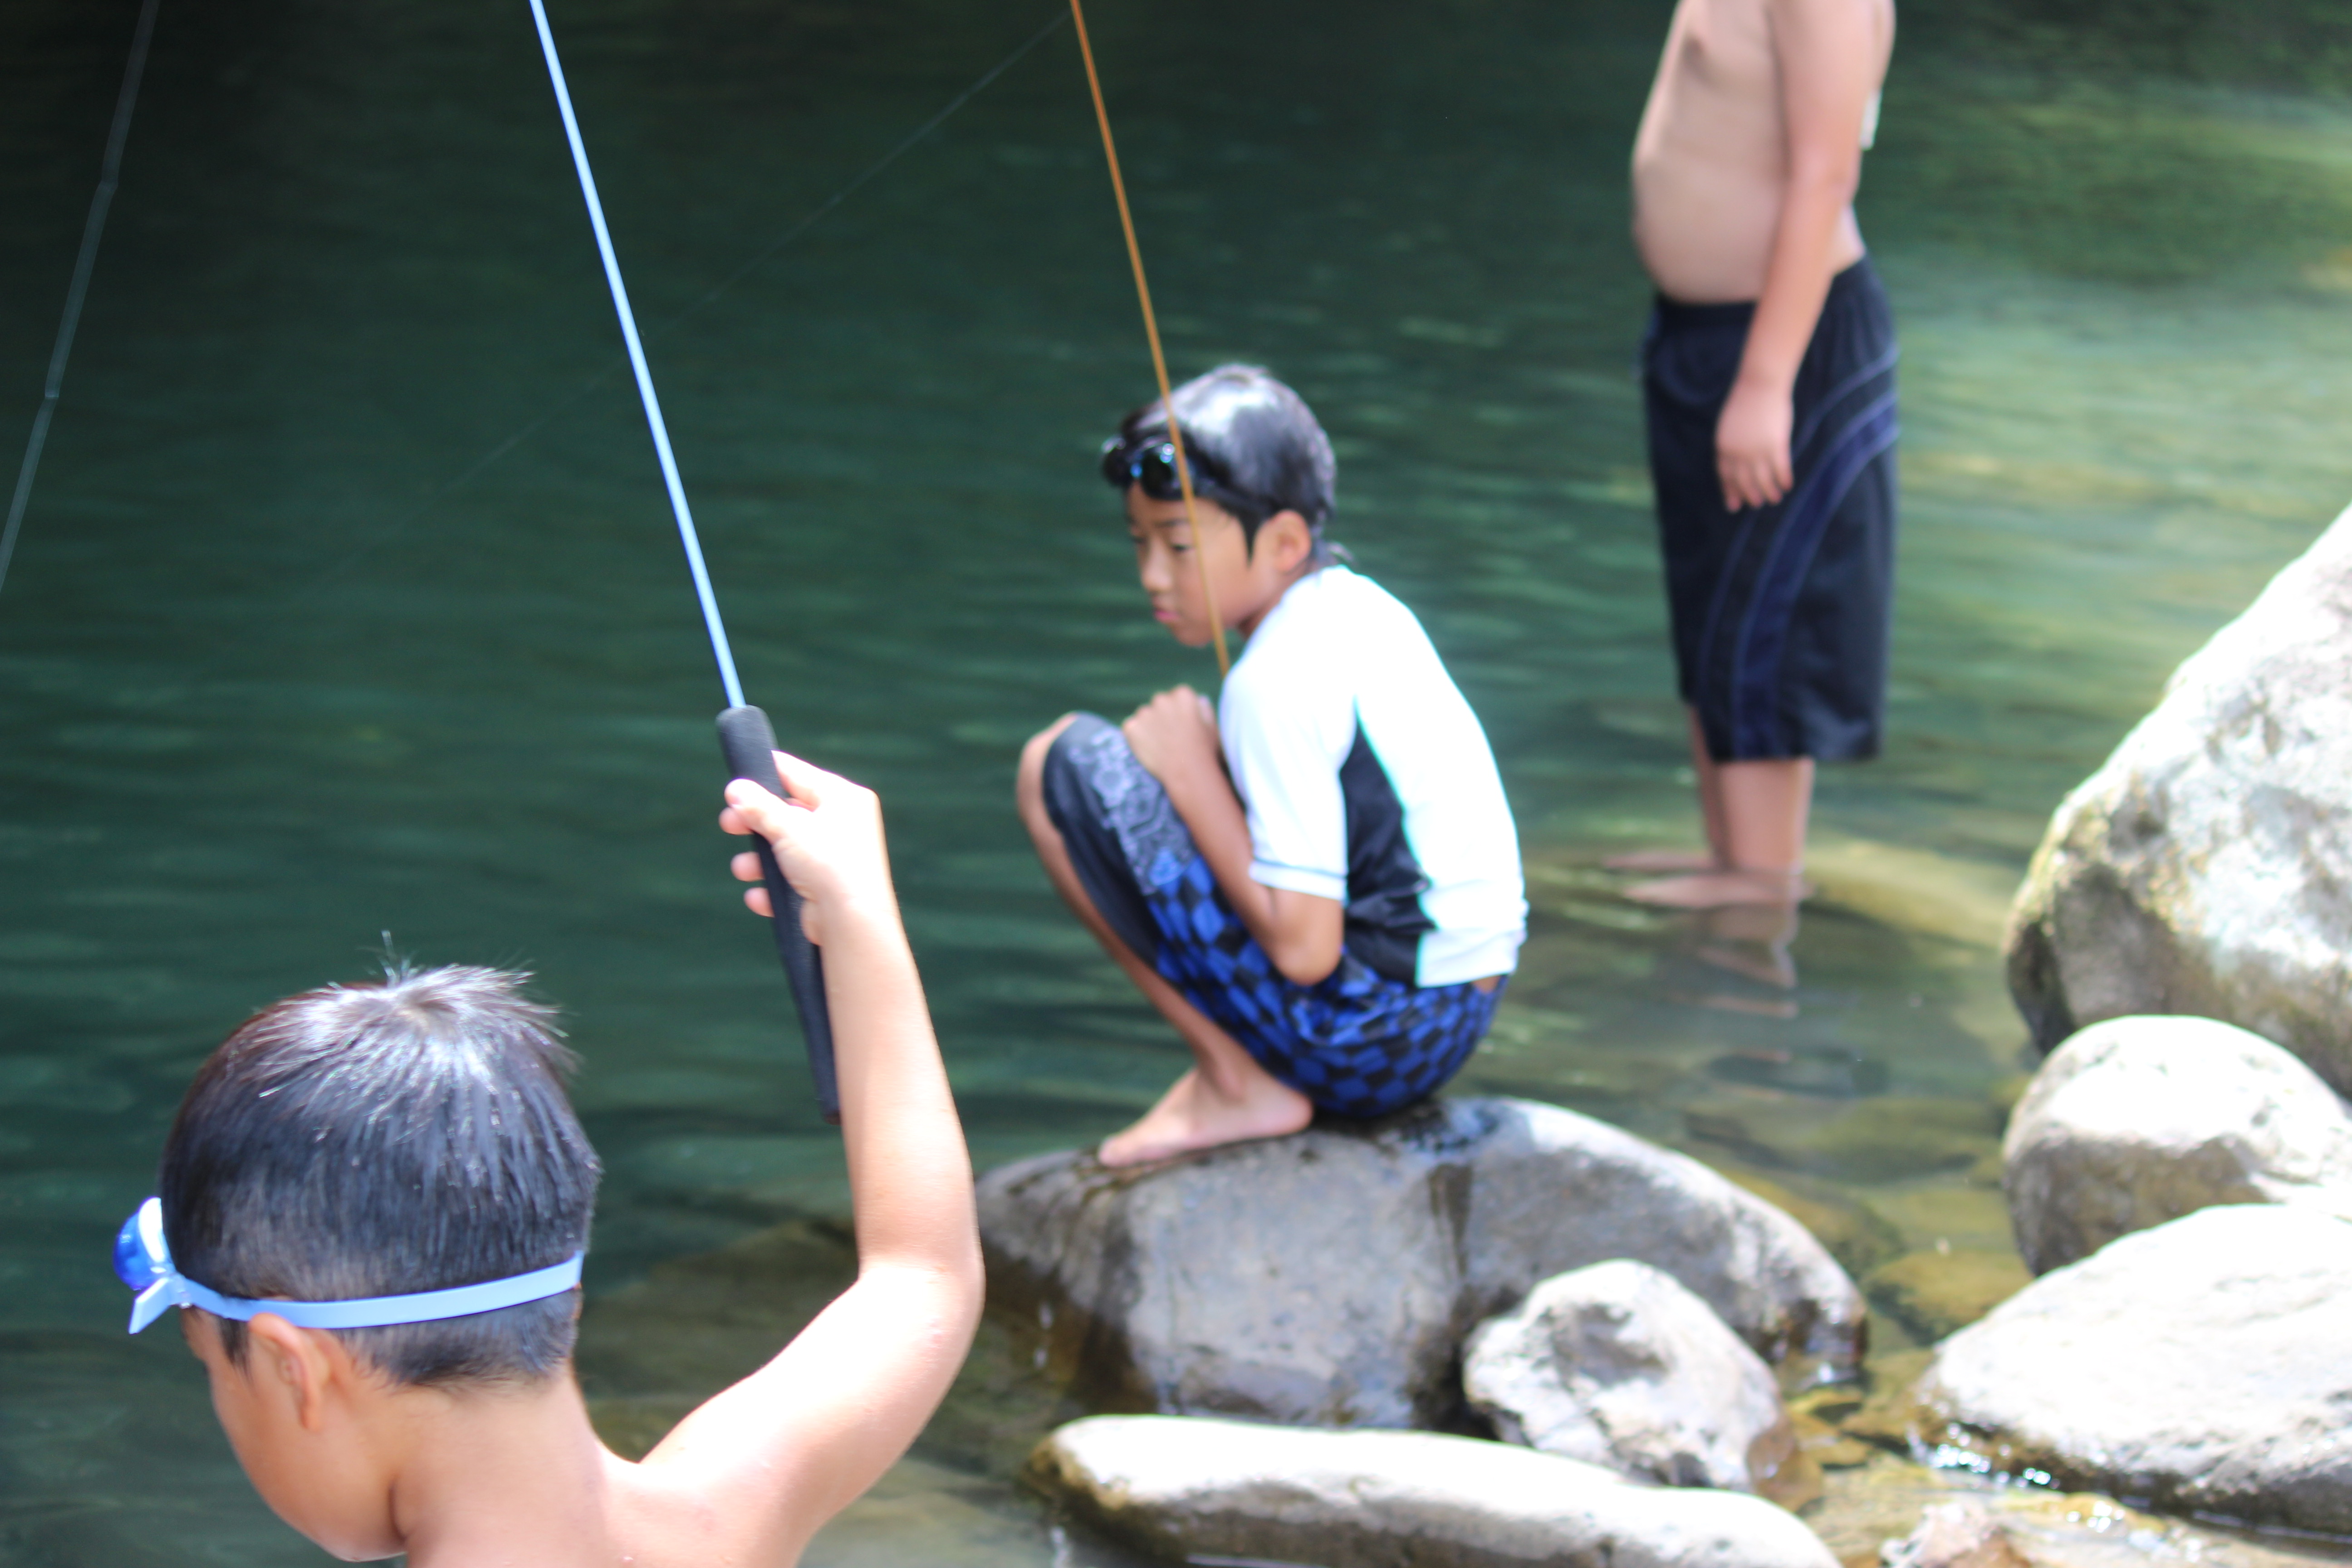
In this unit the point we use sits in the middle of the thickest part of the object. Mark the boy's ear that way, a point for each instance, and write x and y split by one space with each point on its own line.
1288 539
297 1363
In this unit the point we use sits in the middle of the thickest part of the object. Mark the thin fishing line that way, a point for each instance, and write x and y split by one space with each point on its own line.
475 470
646 393
109 175
1151 331
808 221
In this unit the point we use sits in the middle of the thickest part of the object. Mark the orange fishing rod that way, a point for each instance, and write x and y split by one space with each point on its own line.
1151 331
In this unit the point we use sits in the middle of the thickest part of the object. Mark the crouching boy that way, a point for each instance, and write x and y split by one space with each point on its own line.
1316 882
373 1205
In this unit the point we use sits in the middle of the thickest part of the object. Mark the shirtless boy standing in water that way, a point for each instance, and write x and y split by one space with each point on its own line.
1768 374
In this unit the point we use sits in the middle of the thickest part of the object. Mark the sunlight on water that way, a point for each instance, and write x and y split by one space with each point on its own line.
275 689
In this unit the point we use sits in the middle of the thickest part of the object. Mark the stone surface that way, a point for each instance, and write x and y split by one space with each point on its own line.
2200 869
1972 1525
1934 1292
2140 1120
1329 1279
2204 1365
1186 1488
1620 1366
1957 1535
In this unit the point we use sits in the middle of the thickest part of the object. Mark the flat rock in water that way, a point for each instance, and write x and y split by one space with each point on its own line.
1620 1366
1329 1279
2140 1120
2204 1365
2200 869
1185 1487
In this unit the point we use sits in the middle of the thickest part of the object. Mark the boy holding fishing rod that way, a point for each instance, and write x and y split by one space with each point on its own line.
373 1204
1316 880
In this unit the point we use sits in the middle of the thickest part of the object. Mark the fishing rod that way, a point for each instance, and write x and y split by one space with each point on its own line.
109 175
400 525
744 734
1151 333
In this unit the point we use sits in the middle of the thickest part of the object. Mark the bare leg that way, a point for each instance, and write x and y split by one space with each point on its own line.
1226 1097
1710 809
1756 817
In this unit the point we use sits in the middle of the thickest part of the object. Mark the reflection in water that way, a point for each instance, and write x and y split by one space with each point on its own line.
1748 942
346 260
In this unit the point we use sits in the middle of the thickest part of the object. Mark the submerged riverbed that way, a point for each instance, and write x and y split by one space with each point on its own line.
348 610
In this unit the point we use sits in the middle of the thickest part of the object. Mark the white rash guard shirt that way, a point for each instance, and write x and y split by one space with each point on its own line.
1368 781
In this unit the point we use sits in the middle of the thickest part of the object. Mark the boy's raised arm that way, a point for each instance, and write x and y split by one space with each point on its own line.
766 1462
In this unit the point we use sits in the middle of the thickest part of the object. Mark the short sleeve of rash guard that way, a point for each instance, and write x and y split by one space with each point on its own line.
1285 741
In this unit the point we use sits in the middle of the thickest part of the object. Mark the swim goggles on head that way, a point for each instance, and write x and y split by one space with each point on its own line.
143 1262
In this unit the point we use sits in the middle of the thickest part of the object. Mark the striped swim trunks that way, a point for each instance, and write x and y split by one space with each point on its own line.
1782 614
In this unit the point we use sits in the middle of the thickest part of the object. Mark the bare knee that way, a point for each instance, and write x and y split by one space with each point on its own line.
1029 784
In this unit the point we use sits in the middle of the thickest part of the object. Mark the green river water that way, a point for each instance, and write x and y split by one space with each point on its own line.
284 666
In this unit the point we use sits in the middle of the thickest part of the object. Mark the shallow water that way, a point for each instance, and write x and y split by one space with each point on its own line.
288 668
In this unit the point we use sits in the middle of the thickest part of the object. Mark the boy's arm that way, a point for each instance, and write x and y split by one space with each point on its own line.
1829 53
758 1468
1175 738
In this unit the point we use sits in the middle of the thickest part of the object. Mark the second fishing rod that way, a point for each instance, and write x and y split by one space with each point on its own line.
745 735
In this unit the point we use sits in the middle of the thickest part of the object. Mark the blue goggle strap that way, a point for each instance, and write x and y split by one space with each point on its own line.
171 1288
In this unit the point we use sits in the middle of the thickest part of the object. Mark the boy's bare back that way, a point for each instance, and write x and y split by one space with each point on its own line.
1739 83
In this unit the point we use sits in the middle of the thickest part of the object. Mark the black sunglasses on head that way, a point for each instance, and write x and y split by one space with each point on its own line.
1153 465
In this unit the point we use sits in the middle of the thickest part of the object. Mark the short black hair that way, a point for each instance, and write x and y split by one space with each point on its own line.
1255 448
381 1139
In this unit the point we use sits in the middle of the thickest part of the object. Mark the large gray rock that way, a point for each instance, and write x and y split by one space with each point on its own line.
1329 1279
2136 1121
2204 1365
1620 1366
2201 869
1189 1488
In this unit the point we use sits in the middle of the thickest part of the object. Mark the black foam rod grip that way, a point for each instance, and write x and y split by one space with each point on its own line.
751 747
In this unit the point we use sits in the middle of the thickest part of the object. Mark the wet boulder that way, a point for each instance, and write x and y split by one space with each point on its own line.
1620 1366
2140 1120
2204 1366
1329 1277
2200 869
1193 1489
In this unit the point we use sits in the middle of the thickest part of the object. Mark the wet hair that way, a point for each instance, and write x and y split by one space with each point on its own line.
378 1139
1254 447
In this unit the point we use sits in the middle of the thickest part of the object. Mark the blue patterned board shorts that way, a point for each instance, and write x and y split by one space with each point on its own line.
1357 1043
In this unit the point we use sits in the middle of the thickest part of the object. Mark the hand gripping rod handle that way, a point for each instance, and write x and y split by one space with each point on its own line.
751 747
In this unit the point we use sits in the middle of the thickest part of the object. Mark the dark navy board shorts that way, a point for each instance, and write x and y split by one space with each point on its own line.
1357 1043
1780 613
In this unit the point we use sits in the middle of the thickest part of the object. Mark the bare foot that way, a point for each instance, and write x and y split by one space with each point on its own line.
1714 890
1194 1114
1661 861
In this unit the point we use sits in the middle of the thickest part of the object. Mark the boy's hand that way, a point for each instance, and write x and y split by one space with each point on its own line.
1174 736
827 837
1751 445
